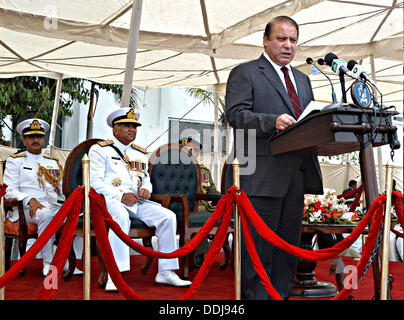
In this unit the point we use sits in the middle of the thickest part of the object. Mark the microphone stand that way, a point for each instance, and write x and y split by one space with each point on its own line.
342 80
334 104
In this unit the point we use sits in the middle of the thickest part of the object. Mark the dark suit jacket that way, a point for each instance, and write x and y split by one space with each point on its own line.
255 97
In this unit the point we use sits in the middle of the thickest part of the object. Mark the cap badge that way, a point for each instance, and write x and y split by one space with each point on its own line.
131 114
35 125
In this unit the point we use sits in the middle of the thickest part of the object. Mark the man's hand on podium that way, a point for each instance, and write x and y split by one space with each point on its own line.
284 121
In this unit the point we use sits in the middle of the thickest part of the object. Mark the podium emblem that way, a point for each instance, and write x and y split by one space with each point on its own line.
360 94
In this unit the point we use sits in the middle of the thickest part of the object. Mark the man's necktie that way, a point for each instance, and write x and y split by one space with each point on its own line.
292 92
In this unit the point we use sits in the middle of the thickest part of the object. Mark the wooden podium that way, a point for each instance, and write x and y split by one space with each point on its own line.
342 129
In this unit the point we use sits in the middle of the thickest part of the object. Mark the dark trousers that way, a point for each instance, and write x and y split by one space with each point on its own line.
284 216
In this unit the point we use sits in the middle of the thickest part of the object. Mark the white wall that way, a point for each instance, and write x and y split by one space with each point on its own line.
158 106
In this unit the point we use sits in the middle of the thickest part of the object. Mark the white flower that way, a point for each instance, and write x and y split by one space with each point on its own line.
315 215
347 216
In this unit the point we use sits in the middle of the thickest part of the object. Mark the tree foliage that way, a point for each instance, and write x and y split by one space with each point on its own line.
35 96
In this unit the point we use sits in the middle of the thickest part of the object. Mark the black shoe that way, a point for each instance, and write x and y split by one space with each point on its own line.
199 260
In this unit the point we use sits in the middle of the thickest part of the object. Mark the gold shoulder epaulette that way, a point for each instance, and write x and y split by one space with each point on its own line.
139 148
52 158
104 143
18 155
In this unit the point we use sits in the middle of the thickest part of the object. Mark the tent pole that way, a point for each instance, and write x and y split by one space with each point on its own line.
385 294
87 229
131 53
52 133
216 139
237 235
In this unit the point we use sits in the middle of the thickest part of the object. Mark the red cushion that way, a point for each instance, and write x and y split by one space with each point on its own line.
12 228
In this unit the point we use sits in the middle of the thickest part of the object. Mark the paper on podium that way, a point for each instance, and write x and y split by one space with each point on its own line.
314 106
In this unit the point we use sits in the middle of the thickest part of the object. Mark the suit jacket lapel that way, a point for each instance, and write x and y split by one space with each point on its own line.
270 73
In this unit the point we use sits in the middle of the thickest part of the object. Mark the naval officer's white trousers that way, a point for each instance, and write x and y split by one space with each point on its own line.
153 215
42 218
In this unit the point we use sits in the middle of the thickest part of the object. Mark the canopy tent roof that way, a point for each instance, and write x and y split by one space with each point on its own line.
196 42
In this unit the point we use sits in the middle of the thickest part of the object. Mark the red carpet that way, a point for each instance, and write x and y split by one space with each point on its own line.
217 286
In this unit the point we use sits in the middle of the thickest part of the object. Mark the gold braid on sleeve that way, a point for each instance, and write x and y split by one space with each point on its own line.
43 172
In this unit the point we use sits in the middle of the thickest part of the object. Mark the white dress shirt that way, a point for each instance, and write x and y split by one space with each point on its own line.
281 75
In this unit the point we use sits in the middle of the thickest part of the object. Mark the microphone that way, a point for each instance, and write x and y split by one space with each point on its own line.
358 71
339 66
334 98
321 62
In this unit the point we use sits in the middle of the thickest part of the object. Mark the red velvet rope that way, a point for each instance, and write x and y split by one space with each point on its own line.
99 213
3 188
318 255
72 203
224 211
65 243
398 201
350 193
358 192
247 211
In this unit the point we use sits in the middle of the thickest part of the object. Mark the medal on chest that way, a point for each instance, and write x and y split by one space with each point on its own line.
116 182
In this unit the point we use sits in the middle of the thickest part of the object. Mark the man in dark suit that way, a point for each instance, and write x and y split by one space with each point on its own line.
352 185
263 97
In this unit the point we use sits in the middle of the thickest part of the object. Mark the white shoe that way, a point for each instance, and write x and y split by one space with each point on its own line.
77 272
45 269
110 286
171 278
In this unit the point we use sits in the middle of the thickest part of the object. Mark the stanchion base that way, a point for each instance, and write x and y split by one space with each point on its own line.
320 289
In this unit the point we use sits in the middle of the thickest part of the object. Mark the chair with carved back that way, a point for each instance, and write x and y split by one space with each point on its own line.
175 173
20 229
73 179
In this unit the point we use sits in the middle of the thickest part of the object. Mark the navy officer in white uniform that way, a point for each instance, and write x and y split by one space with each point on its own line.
36 179
118 170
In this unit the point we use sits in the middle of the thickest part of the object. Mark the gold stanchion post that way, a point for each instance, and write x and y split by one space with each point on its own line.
87 245
386 233
237 236
2 218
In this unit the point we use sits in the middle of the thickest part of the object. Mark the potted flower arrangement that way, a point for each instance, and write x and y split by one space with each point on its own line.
326 208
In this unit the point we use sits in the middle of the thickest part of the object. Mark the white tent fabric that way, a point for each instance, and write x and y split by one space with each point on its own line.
196 42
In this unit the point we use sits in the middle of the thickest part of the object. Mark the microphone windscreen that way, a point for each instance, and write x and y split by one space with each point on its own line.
351 64
309 60
329 57
321 61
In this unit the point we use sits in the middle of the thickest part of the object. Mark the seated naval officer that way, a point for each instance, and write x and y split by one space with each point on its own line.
36 179
118 170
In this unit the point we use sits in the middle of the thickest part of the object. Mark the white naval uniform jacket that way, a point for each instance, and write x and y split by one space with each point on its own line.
21 178
110 176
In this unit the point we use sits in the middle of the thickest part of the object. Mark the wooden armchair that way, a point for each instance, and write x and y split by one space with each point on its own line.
175 173
20 230
73 177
